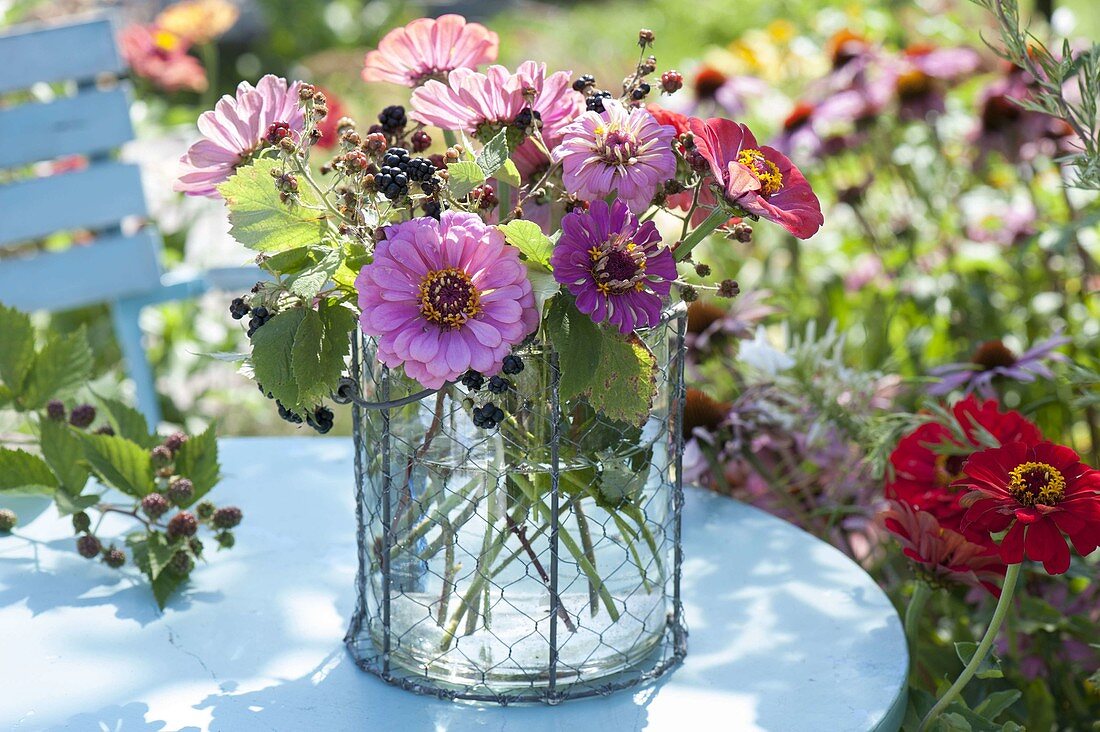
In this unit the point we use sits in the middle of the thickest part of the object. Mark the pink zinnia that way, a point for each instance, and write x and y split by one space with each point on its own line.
443 297
620 150
475 103
234 130
758 179
162 58
430 48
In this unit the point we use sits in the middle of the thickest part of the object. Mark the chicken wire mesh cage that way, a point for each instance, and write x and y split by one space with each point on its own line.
535 560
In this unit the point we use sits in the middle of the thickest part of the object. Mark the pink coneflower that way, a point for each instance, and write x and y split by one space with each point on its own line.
616 267
444 297
620 150
430 48
736 319
235 129
759 179
994 359
479 103
161 57
920 74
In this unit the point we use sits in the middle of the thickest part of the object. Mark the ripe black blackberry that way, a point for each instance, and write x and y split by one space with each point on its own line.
238 308
421 141
499 385
512 364
640 91
584 81
321 420
392 182
594 103
433 209
82 415
488 416
260 316
419 169
55 410
472 380
288 415
393 119
526 118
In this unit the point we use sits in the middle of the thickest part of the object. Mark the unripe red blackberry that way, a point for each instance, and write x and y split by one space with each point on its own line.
81 522
672 81
161 456
55 410
180 491
82 416
421 141
114 558
182 524
181 564
155 505
88 546
356 160
8 520
277 132
205 510
376 142
228 517
175 441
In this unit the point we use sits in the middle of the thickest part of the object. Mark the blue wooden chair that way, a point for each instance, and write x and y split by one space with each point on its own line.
88 116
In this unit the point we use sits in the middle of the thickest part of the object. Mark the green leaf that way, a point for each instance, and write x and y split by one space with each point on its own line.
16 348
577 340
64 364
625 381
463 177
495 153
997 702
20 471
509 174
68 504
320 346
989 668
290 261
260 221
128 422
527 237
120 463
272 346
152 553
310 282
197 460
63 451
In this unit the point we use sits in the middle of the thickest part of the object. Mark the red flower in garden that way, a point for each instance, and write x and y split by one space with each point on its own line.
942 554
759 179
929 460
329 123
1036 492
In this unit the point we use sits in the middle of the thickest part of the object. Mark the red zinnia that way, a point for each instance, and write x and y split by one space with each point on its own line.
1036 492
929 460
757 178
942 554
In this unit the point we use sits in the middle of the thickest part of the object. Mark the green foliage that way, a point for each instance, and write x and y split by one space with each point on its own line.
63 449
272 349
152 554
20 471
261 221
197 460
463 177
321 344
495 155
526 236
16 349
120 463
128 422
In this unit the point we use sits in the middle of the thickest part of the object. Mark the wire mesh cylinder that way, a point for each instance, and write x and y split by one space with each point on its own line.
534 560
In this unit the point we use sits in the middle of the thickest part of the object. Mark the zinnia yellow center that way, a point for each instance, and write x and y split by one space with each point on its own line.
771 180
448 298
1036 483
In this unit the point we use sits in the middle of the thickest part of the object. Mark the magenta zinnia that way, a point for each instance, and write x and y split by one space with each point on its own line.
616 267
430 48
626 151
446 296
235 129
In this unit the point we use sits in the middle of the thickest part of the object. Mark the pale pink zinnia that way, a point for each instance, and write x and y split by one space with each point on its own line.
478 103
430 48
443 297
161 57
235 129
620 150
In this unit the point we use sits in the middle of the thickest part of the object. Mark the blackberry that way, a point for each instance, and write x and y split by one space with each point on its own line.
472 380
181 564
583 82
392 182
393 119
155 505
396 157
488 416
226 540
421 141
277 132
175 441
512 364
671 81
321 420
105 430
114 557
81 522
161 456
260 316
55 410
238 308
728 288
499 385
526 118
288 415
433 209
594 103
8 520
180 491
640 91
420 169
82 415
182 524
228 517
205 510
88 546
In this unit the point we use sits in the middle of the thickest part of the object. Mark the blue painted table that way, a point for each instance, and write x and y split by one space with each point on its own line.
786 633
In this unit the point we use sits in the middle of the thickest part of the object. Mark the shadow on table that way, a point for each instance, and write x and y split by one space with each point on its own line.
129 718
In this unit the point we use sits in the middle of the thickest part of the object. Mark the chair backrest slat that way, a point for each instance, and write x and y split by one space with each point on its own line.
89 123
50 54
95 198
115 266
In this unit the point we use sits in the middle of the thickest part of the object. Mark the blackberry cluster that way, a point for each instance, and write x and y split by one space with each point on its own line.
433 209
260 315
594 103
499 385
422 170
512 364
393 119
640 91
82 416
672 81
238 308
321 419
583 82
288 415
526 117
488 416
392 178
155 505
473 380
